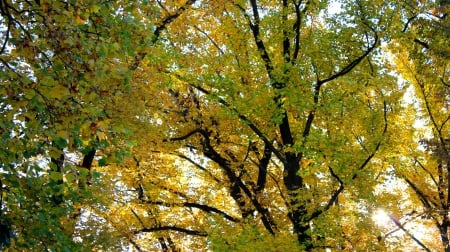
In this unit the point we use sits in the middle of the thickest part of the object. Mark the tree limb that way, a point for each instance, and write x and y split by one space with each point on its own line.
427 171
236 181
355 62
262 169
210 39
202 207
171 228
398 224
297 26
254 27
159 28
198 166
377 147
425 45
247 122
332 199
423 198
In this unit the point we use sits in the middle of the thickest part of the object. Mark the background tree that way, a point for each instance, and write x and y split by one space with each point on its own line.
62 66
422 58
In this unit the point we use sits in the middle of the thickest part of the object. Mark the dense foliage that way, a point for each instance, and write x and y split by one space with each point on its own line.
224 125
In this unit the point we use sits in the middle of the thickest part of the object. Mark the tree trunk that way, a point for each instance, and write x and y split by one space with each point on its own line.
297 211
443 230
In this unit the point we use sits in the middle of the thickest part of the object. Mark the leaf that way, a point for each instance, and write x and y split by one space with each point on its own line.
95 8
56 176
58 92
102 162
84 172
61 143
29 93
70 178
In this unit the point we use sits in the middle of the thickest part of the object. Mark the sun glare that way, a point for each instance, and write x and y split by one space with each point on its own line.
380 217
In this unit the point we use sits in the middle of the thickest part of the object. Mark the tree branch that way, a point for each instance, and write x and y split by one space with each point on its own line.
405 27
137 217
247 122
333 198
171 228
286 40
157 33
262 169
427 171
355 62
254 27
336 193
398 224
88 159
184 137
210 39
197 165
425 45
202 207
423 198
377 147
236 181
297 26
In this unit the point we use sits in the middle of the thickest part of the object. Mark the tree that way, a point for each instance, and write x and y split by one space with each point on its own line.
280 106
422 58
62 65
269 119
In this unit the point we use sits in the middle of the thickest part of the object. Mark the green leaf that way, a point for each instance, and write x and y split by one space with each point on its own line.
77 141
96 174
29 93
70 178
54 153
84 172
95 8
102 162
61 143
56 176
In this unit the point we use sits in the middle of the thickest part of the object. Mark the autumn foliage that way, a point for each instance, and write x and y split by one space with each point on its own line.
218 125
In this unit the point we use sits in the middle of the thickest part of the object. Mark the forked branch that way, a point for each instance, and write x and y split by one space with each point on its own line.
160 28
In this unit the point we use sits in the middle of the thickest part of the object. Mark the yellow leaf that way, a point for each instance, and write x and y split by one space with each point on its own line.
79 20
95 8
